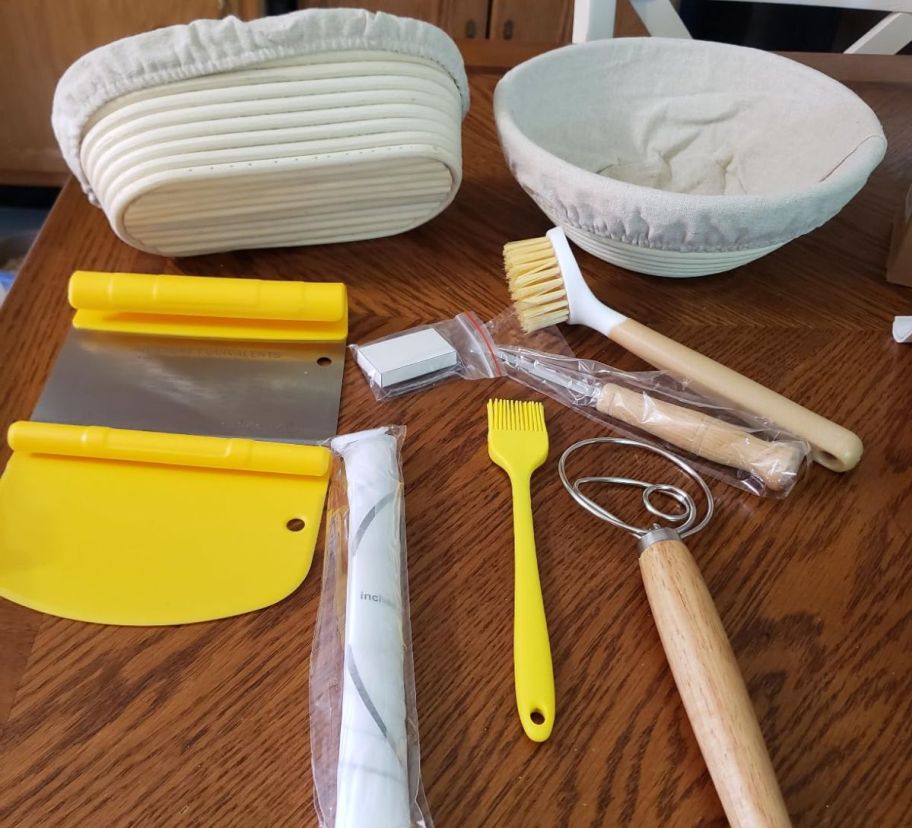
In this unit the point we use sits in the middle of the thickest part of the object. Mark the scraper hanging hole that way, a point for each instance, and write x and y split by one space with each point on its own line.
295 525
324 360
537 717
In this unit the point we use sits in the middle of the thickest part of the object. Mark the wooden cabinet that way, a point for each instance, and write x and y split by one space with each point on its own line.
525 21
541 21
41 38
544 21
460 19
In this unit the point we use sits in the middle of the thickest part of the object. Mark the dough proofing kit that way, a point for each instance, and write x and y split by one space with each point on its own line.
176 466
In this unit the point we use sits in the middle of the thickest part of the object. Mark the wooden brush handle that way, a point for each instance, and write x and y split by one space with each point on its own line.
776 464
711 687
833 446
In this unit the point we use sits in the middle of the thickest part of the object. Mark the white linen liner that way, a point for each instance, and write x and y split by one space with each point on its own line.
671 263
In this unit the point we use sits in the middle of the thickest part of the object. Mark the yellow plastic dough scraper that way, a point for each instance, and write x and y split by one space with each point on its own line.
169 473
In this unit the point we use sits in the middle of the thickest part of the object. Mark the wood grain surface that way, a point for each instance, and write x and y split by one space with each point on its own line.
208 724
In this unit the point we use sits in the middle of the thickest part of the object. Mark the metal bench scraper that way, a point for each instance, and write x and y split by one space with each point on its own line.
200 355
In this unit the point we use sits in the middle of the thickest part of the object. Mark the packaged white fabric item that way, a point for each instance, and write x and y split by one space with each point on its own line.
902 329
682 157
323 125
365 743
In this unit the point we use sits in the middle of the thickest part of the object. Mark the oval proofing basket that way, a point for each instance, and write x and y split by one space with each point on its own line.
335 148
326 145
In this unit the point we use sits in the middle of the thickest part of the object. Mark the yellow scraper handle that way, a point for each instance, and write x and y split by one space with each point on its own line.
208 296
231 454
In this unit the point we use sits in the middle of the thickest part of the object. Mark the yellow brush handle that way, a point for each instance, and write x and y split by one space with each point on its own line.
711 687
833 446
533 673
776 464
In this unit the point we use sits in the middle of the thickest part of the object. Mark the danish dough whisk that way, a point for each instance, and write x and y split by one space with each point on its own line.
698 651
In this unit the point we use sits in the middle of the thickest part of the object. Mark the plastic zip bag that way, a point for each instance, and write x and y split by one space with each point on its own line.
427 355
463 347
730 445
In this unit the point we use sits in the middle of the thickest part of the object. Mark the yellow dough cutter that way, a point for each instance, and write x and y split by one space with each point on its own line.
170 474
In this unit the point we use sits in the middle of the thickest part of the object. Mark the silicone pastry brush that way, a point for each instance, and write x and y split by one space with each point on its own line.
518 443
547 288
776 464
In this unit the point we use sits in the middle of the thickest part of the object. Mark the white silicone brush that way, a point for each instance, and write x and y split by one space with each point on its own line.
547 288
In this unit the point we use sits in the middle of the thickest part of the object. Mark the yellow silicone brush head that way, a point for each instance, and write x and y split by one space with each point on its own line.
536 283
517 436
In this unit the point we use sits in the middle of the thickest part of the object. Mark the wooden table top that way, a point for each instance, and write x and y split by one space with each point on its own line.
208 724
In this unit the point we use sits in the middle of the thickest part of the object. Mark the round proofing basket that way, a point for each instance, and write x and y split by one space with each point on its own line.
321 148
683 158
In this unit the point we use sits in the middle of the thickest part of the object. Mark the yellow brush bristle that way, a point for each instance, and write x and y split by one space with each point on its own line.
512 415
536 283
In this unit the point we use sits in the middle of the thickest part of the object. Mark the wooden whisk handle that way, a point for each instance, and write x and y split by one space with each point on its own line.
711 687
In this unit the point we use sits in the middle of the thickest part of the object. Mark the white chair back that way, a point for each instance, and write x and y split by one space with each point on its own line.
594 20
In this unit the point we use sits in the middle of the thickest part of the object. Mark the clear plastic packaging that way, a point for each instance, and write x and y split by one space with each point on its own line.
472 345
363 717
472 354
731 445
